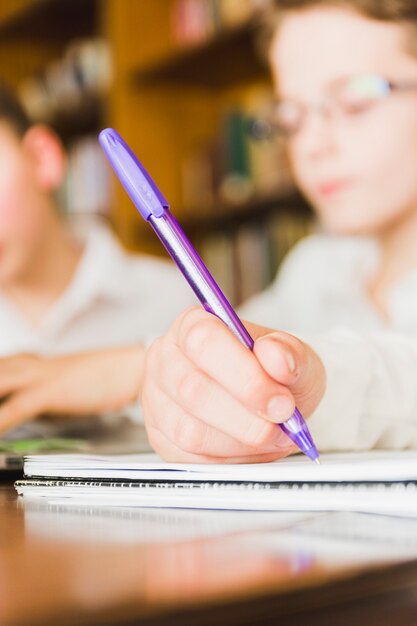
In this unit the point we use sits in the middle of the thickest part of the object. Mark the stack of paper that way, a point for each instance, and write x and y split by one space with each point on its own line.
375 482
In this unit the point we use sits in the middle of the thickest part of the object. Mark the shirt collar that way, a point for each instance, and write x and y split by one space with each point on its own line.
102 268
100 276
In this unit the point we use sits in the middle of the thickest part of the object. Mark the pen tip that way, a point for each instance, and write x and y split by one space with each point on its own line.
317 461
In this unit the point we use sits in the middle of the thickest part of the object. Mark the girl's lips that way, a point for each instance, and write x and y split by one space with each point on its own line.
331 187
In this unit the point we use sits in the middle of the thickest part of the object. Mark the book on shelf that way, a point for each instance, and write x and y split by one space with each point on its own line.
246 258
268 162
251 253
285 229
234 175
235 180
67 83
234 166
218 252
195 21
197 181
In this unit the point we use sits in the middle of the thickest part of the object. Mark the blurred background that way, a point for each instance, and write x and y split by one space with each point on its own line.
179 79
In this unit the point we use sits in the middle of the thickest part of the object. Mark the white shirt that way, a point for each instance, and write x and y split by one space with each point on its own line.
114 299
371 364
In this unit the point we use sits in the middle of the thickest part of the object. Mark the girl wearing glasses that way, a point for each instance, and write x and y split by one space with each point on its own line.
346 82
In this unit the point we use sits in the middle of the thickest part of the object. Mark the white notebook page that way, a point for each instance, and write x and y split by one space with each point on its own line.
383 466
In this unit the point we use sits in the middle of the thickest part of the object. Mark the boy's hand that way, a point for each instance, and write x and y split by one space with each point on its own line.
80 384
207 398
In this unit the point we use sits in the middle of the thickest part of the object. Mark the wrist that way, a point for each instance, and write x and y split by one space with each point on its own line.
133 358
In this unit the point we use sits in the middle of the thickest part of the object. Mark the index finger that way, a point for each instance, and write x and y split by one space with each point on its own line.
212 347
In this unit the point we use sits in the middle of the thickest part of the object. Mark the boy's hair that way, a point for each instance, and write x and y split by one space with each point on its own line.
12 112
399 11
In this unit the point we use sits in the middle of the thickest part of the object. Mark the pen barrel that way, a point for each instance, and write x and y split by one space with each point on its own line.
197 274
296 429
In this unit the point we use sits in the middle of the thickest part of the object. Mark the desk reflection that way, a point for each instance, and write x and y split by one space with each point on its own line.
145 561
148 558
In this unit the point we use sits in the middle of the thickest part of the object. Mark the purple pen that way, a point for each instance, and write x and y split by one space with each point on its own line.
154 208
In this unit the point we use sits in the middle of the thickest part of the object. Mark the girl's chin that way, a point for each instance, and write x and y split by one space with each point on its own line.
347 229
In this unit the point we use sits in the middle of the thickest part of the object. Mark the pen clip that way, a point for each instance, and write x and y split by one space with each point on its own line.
133 176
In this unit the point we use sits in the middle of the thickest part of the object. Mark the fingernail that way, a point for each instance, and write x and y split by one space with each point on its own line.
279 408
290 361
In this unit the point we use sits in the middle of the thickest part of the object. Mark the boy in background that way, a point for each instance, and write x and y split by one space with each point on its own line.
65 295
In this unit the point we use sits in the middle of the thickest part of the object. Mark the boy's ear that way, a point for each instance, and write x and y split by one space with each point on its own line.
46 152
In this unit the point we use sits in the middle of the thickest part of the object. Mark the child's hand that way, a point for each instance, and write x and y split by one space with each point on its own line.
80 384
207 398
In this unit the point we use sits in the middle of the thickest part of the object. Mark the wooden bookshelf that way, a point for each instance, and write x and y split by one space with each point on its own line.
53 20
166 98
229 217
224 60
34 32
35 36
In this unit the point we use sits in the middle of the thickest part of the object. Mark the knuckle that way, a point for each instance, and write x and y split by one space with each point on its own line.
186 320
189 322
152 355
154 349
153 438
255 389
189 315
259 433
198 338
146 405
189 434
192 388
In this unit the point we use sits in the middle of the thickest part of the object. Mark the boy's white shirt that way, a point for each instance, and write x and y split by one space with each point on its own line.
114 299
321 296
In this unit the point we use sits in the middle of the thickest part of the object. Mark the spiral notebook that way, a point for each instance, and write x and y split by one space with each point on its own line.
373 482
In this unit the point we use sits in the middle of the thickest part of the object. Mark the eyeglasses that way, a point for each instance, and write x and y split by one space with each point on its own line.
344 98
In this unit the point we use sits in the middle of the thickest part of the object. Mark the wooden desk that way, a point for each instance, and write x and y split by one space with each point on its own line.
60 567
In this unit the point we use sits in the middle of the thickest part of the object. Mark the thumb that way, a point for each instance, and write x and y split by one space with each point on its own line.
294 364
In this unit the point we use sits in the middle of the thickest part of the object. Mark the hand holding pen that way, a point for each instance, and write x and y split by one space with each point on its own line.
206 398
210 392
